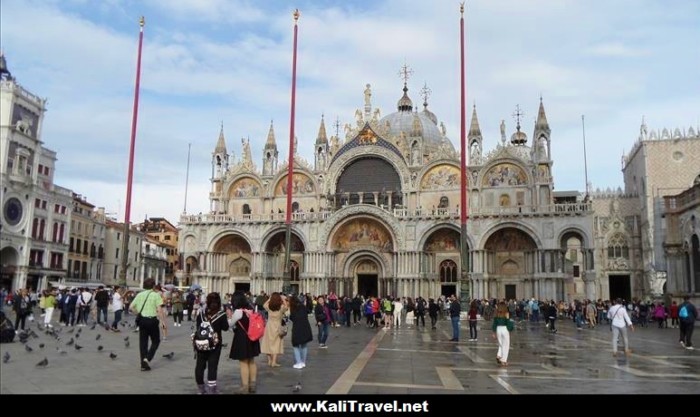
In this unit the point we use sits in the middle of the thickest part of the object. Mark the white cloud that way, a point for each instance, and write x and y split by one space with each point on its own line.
616 50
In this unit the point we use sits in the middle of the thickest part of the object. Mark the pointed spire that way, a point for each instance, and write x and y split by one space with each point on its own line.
271 142
474 129
221 143
541 117
322 137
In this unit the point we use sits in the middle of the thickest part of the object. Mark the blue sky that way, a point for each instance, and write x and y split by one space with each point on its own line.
208 61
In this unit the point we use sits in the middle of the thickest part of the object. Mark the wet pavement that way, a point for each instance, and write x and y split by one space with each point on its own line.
359 360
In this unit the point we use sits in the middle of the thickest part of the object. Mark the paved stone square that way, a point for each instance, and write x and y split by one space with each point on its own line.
367 361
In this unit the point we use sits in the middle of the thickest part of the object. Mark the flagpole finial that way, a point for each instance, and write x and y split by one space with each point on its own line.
461 8
296 15
142 21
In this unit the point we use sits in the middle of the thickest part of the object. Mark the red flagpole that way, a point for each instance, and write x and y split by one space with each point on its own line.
286 279
463 124
464 252
130 172
290 169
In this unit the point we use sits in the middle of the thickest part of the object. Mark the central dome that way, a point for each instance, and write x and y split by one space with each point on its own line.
409 124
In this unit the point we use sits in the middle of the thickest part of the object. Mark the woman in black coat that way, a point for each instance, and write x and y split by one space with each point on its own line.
301 331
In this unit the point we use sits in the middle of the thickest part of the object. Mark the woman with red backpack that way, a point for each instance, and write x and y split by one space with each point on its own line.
243 349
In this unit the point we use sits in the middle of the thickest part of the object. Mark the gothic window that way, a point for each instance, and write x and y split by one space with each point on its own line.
617 247
448 272
294 271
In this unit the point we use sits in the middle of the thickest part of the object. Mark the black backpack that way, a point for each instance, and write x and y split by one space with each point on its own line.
205 338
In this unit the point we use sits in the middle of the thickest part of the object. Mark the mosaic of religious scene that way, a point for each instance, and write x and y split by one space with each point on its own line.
362 232
232 244
509 240
445 240
505 175
301 184
277 243
245 187
441 177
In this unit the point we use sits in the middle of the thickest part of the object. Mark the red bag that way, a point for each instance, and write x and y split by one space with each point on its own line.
256 325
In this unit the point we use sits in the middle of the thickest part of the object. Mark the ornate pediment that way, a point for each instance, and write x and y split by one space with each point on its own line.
366 137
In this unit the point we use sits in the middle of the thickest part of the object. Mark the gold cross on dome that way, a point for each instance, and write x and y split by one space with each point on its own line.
405 73
425 92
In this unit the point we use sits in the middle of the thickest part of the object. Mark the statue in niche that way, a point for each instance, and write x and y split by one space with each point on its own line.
503 131
443 129
475 149
542 148
415 153
368 96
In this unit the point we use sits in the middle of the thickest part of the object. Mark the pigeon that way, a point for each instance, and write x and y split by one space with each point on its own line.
72 329
107 327
93 326
77 335
6 357
297 387
98 337
33 334
28 348
99 348
126 344
70 342
41 345
62 352
126 339
44 363
78 347
80 330
123 324
169 355
112 355
23 341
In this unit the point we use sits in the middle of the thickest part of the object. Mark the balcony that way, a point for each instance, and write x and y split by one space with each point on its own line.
563 209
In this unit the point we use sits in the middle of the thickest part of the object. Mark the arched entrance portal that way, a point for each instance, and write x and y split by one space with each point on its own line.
367 277
511 259
231 257
8 267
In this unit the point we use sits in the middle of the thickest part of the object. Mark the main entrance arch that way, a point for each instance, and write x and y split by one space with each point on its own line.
366 275
511 259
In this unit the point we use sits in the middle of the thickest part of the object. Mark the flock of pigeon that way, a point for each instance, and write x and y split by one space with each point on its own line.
73 334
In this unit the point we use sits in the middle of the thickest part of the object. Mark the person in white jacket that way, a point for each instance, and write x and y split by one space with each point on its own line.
620 320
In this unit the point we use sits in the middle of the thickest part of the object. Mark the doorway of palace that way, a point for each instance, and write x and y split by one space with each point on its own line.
448 290
368 284
510 291
620 287
241 286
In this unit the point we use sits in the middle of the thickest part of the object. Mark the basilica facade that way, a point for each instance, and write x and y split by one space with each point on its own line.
377 213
